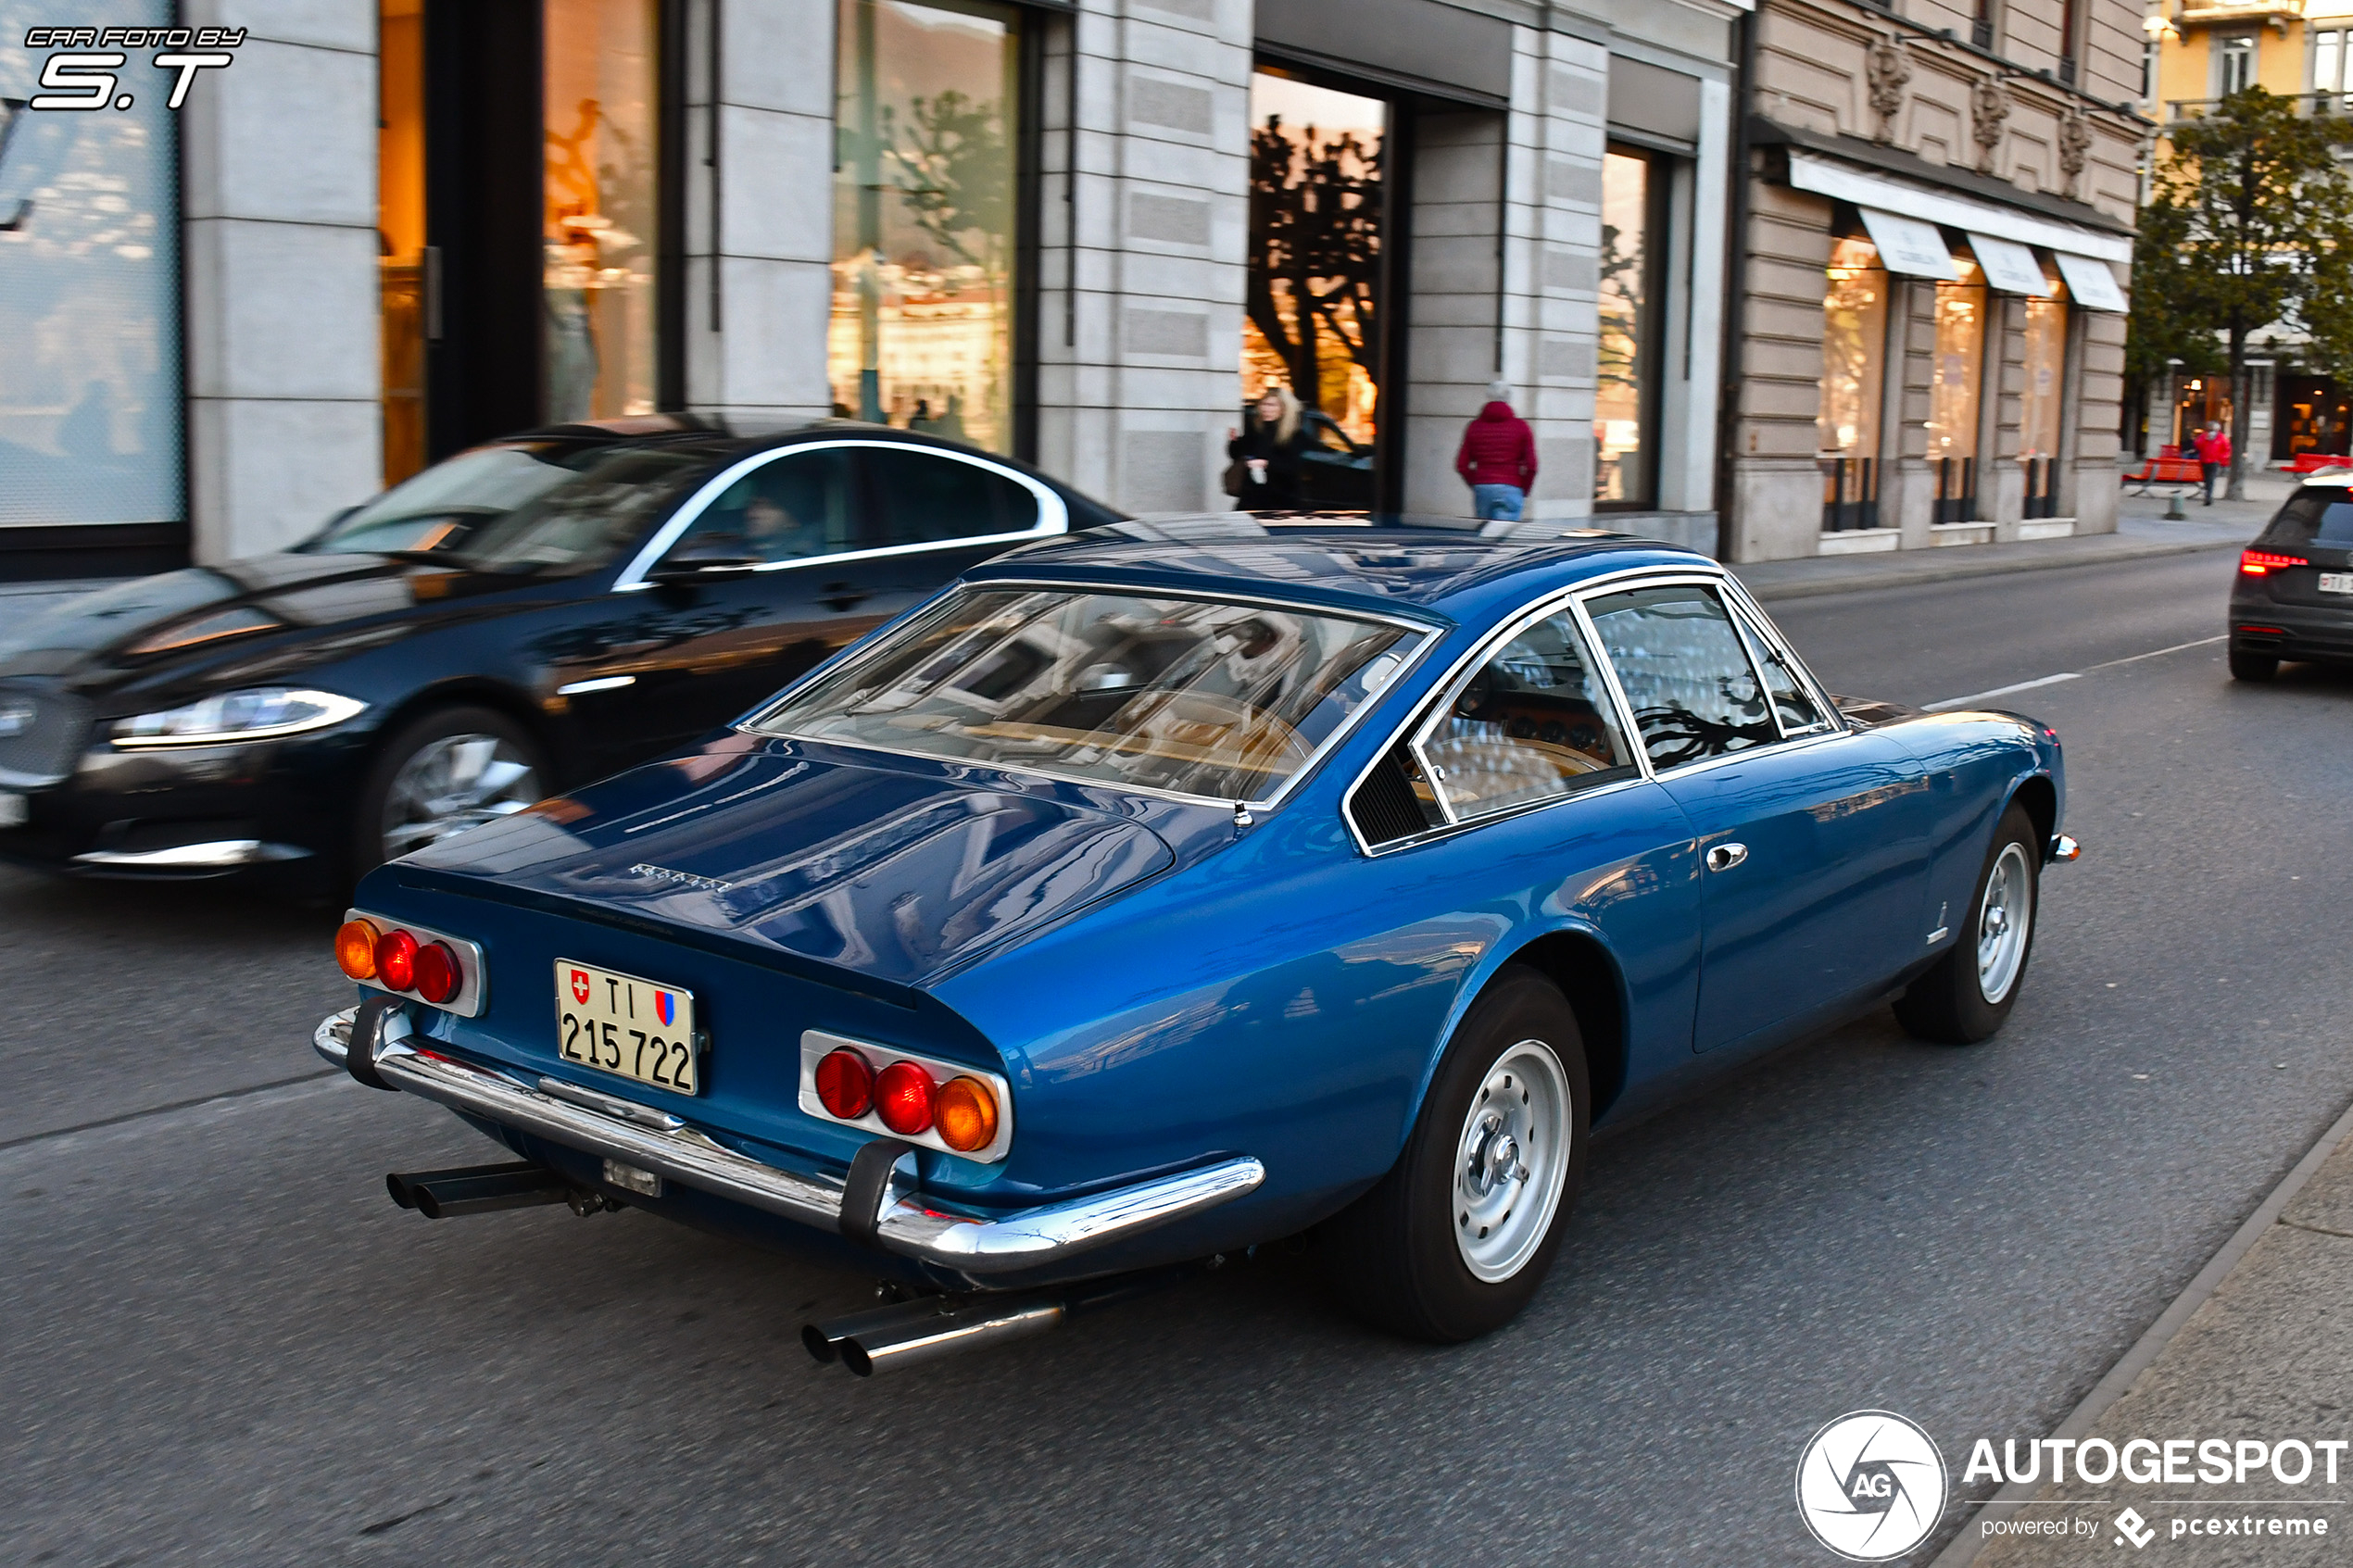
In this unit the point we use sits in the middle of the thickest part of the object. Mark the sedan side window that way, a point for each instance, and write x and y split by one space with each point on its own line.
929 499
1685 673
1535 722
791 509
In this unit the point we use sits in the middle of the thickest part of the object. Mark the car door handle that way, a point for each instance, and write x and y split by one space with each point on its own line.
1724 856
845 595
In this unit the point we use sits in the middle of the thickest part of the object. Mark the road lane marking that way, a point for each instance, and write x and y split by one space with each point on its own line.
1952 702
1998 691
263 1094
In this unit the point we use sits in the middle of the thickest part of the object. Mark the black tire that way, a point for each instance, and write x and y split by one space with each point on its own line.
1949 1004
412 740
2250 666
1392 1256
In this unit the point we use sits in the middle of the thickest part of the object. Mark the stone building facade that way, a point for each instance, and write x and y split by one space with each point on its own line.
1938 220
403 226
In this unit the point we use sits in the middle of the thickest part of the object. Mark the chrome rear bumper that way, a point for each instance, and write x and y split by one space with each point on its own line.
657 1142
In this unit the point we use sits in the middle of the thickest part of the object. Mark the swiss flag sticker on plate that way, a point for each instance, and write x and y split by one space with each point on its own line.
580 985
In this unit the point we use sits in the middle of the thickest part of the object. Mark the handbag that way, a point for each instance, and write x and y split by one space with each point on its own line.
1237 480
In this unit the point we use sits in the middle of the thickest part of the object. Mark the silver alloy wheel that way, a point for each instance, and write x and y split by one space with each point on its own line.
1512 1161
453 784
2005 918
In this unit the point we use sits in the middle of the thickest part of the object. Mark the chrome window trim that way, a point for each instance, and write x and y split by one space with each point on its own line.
1427 636
1675 578
1835 722
1054 515
1406 730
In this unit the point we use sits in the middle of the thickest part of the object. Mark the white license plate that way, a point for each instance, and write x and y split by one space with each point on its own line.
2337 582
624 1024
12 809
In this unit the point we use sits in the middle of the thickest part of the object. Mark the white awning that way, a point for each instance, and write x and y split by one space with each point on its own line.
2091 284
2008 266
1843 181
1906 244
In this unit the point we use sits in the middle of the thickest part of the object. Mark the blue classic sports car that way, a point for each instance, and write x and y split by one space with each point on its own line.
1174 887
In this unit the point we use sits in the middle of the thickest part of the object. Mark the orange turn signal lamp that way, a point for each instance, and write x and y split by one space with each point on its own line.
397 961
905 1096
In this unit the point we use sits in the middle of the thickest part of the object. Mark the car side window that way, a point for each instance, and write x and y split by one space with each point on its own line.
1533 723
789 508
925 498
1793 705
1685 673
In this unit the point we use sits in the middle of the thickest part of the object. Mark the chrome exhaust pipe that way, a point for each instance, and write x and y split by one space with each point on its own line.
932 1334
476 1190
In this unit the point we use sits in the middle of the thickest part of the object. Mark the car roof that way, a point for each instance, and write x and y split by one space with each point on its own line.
1433 567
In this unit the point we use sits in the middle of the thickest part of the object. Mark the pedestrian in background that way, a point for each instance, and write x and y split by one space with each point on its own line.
1497 459
2213 448
1263 475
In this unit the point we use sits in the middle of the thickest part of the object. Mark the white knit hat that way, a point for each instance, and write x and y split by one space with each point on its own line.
1499 392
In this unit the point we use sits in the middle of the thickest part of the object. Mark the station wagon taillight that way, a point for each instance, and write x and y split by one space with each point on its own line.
355 948
2259 563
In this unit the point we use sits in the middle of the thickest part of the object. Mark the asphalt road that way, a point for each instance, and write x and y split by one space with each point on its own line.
223 1346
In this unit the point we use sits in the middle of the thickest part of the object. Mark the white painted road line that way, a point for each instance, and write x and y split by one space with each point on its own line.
1975 698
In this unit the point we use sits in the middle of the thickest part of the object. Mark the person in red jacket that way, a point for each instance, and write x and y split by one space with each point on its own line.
2213 448
1497 459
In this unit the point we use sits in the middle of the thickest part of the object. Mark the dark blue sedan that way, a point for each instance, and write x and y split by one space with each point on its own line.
1174 888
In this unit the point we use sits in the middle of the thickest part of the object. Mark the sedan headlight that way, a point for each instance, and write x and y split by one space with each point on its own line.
258 713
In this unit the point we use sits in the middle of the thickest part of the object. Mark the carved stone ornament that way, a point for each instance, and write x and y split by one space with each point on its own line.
1989 106
2074 142
1885 70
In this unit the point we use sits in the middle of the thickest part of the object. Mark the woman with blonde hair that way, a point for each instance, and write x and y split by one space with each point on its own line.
1264 474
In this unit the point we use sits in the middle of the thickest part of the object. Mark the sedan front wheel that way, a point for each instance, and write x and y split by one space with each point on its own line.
442 775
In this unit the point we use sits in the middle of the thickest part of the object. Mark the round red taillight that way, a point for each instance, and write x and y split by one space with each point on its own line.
845 1085
903 1097
355 948
438 974
396 960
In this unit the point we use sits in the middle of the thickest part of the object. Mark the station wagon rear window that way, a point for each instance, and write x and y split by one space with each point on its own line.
1195 696
2318 515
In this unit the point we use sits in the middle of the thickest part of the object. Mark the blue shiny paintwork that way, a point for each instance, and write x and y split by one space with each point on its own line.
1161 983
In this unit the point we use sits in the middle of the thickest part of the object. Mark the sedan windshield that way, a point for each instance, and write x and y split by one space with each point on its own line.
1226 701
551 507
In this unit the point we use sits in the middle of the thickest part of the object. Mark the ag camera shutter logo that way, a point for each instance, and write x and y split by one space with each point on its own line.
1870 1486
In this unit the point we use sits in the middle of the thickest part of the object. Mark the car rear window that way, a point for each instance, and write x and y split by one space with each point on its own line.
2319 515
1194 696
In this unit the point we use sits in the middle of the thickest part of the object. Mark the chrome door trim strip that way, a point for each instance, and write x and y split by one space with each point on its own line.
1054 515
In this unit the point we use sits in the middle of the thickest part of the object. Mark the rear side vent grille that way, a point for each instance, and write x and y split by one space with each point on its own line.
1385 807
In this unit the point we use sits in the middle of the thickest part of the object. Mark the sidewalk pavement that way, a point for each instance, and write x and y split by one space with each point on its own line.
2142 531
2267 1357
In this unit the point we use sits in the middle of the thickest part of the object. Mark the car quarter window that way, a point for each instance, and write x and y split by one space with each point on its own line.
1793 705
1533 723
788 509
1693 692
927 498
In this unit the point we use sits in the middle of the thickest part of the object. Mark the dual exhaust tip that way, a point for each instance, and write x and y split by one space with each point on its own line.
914 1332
486 1189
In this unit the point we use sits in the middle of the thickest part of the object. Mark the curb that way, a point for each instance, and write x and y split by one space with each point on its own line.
1919 576
1963 1549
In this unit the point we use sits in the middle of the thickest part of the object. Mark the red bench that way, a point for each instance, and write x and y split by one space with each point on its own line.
2314 462
2168 467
